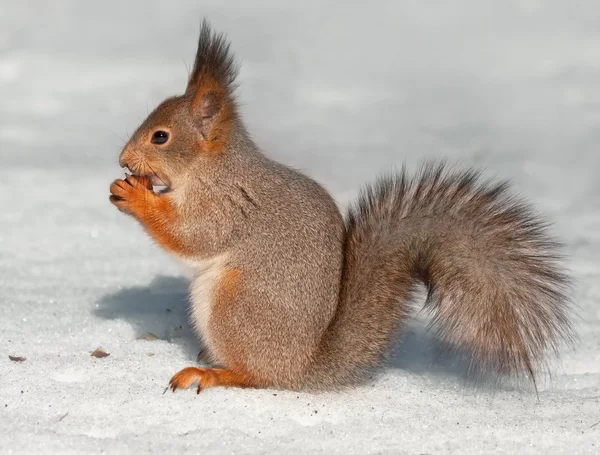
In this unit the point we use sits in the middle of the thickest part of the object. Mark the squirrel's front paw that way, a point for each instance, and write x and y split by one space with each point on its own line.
132 195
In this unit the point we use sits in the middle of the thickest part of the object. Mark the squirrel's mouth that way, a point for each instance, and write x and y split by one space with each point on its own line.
157 180
161 183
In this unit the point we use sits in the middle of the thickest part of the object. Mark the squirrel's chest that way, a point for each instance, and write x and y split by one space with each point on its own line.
207 274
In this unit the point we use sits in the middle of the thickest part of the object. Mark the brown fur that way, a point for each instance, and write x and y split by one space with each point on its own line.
287 294
228 287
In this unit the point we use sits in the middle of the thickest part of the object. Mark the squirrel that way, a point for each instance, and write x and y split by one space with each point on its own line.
288 294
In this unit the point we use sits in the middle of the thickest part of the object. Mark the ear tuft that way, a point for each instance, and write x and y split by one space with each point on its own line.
214 63
210 88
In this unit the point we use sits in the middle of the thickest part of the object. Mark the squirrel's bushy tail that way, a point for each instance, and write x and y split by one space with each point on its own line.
496 287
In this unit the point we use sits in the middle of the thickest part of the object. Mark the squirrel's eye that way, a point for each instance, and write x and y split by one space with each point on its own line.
160 137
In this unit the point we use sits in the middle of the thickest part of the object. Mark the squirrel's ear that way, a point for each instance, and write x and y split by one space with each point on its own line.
206 107
211 84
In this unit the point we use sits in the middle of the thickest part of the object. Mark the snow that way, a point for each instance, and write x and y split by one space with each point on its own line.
341 90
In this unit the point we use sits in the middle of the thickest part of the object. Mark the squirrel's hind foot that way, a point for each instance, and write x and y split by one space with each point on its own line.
209 377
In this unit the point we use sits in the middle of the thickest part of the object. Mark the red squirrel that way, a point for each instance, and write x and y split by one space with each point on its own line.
286 293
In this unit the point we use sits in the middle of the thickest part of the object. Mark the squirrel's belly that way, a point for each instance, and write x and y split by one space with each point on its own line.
207 274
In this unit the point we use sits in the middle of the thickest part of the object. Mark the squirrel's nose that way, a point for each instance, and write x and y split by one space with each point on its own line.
124 158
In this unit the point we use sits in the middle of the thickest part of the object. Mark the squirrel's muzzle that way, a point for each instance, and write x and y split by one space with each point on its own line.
122 160
126 157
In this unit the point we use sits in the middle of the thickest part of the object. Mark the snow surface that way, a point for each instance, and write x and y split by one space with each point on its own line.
342 90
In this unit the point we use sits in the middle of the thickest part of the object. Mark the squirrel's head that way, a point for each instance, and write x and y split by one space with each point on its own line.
189 133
